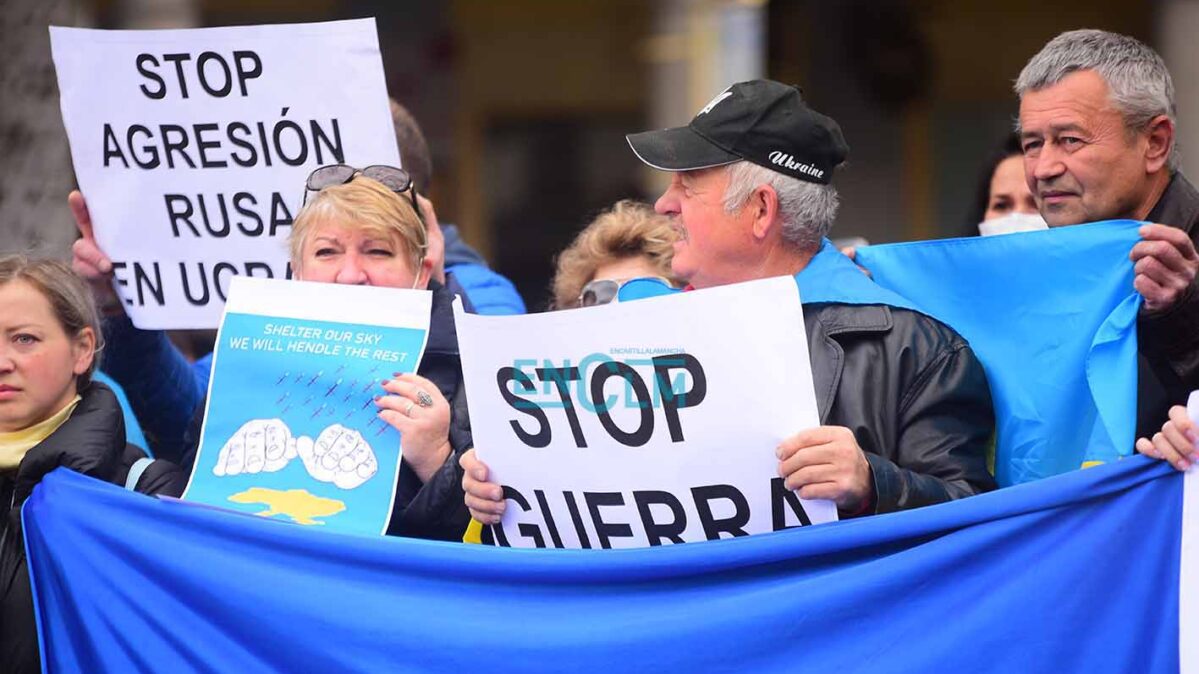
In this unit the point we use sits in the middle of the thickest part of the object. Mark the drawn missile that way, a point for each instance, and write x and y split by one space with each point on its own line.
298 377
333 388
315 377
317 412
280 379
282 397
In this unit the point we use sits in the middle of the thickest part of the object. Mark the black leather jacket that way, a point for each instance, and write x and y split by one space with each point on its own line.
91 441
914 395
436 509
1168 341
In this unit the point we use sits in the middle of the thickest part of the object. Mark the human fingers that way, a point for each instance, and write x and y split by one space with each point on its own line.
822 491
1162 274
404 410
83 219
485 512
821 435
475 479
813 474
1181 260
89 261
1145 446
1178 239
1169 452
1178 415
1180 443
1156 295
820 455
411 386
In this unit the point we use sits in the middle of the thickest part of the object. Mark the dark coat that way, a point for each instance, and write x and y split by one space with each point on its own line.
436 510
1168 341
914 395
91 441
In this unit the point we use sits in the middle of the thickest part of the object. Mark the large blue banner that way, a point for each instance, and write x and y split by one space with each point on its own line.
1076 573
1052 316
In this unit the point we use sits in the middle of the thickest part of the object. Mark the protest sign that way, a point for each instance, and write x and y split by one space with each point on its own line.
291 429
646 422
192 147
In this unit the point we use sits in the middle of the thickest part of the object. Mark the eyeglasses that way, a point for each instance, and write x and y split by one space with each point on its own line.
603 291
395 179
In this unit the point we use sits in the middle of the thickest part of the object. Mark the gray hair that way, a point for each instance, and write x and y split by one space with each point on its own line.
1140 85
807 209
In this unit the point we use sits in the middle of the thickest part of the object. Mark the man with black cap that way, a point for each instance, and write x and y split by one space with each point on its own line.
905 406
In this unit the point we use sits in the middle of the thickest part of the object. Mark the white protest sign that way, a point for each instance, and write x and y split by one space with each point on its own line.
643 423
192 147
291 430
1188 580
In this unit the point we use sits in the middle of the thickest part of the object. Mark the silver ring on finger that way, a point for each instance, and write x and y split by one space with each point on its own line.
423 399
408 409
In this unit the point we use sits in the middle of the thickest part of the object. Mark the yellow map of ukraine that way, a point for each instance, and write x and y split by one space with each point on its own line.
298 504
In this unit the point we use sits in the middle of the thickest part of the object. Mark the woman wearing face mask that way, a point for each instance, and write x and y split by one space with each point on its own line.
1003 203
51 414
362 227
627 242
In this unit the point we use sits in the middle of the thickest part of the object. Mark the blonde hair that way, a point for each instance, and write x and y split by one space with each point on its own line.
69 297
629 229
370 206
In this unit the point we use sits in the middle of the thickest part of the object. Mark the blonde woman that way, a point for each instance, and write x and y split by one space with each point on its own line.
626 242
364 227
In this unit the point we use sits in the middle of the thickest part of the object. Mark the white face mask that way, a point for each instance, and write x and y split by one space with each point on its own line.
1011 223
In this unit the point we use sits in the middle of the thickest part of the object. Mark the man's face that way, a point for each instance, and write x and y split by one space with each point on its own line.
1080 161
711 248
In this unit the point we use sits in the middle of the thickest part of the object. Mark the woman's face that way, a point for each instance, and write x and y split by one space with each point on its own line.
1009 190
38 360
339 252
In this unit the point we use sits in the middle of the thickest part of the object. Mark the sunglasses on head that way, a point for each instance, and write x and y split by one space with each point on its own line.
603 291
395 179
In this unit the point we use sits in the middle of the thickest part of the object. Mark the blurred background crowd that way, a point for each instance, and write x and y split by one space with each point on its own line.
525 103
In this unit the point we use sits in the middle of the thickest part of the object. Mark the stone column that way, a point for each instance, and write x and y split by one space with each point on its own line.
36 175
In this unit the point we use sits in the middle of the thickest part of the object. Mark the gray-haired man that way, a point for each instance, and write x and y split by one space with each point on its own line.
1097 128
904 404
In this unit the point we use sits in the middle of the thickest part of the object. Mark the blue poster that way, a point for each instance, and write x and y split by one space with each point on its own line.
291 431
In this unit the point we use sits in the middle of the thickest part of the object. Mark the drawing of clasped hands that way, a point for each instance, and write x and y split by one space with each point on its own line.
339 455
259 446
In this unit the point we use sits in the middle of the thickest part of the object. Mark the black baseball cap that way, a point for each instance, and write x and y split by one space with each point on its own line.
761 121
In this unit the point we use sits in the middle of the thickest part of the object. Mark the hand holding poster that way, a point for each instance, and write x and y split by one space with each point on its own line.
192 146
646 422
291 429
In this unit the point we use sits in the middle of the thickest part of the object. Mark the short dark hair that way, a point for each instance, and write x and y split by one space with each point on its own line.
414 149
